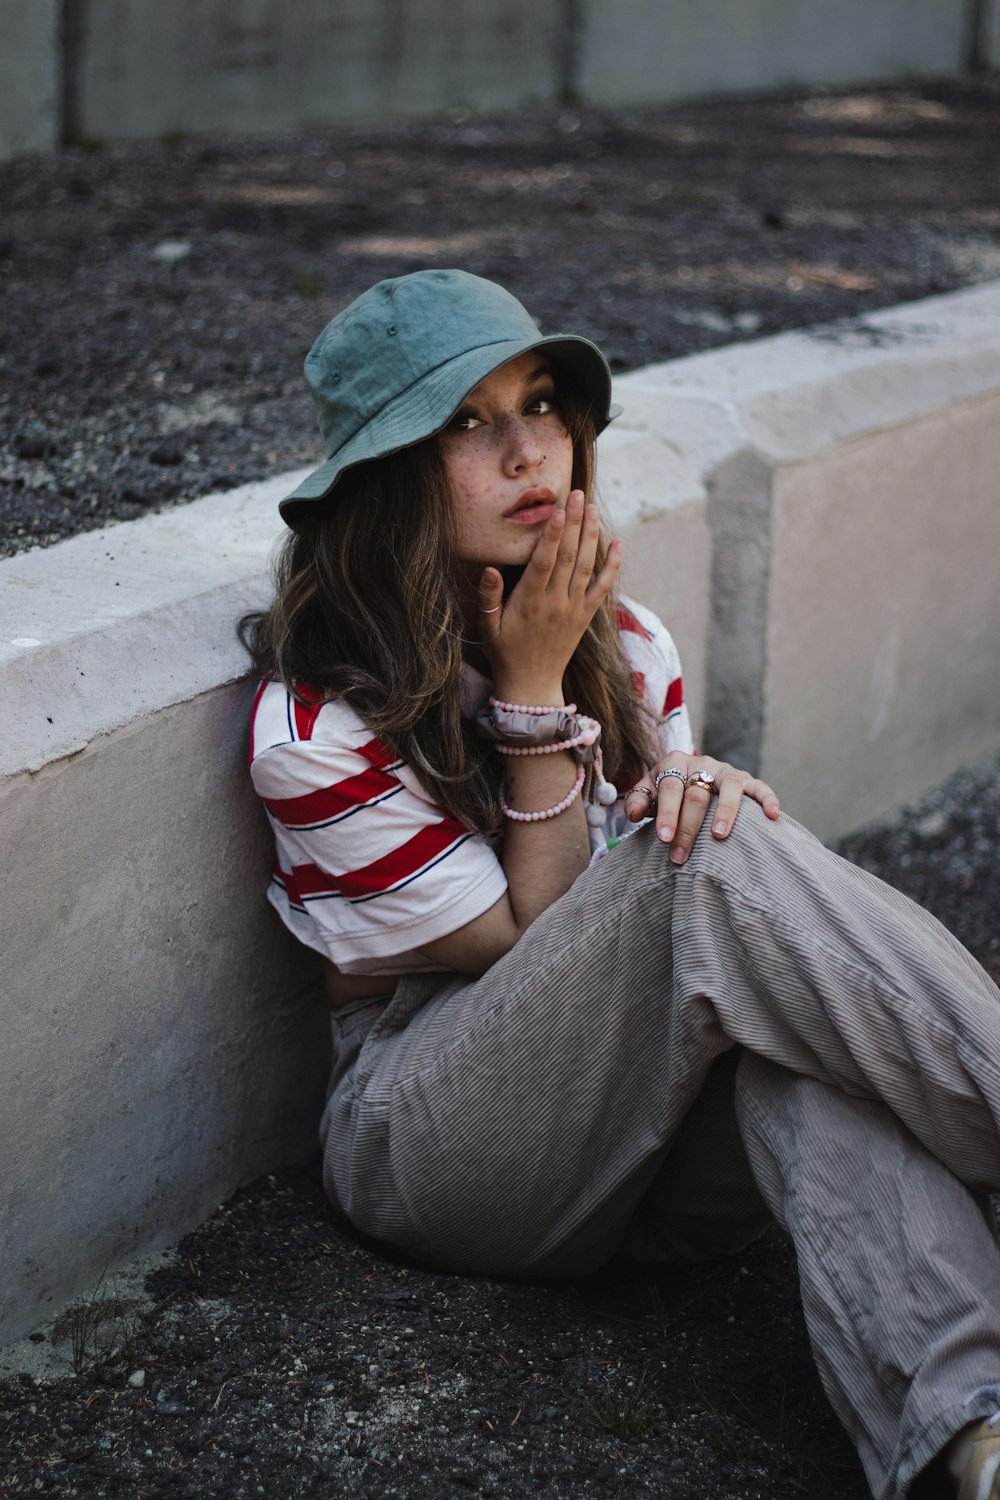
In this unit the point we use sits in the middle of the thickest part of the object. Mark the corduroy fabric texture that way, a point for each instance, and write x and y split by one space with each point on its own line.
579 1099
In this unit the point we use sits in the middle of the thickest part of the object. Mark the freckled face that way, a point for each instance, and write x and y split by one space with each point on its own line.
509 461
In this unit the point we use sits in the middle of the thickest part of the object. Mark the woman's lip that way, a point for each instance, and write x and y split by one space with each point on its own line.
535 504
532 515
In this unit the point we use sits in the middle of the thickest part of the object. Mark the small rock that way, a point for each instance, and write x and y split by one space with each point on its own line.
34 445
167 455
170 1408
170 251
137 1379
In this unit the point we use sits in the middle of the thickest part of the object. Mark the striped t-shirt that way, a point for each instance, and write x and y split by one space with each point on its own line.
368 869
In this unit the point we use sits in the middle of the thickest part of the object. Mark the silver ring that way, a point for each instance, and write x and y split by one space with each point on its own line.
646 791
670 771
493 610
703 778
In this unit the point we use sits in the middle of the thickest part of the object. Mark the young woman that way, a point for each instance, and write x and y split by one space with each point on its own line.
569 1023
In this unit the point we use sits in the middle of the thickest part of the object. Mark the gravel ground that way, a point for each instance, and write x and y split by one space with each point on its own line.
158 299
271 1353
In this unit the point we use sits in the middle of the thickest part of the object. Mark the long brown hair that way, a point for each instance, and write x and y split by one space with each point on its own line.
368 608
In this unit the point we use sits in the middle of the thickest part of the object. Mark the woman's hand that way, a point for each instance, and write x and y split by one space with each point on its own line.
680 803
530 638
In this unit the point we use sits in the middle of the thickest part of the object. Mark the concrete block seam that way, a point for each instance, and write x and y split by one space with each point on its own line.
739 512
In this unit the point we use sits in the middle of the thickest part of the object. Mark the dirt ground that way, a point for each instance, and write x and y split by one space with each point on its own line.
158 300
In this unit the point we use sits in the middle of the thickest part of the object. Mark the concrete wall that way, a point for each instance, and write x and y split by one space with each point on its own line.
883 630
987 44
253 66
29 75
163 1040
817 517
140 69
638 51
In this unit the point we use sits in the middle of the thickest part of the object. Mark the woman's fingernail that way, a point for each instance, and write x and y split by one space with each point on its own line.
678 856
719 827
664 835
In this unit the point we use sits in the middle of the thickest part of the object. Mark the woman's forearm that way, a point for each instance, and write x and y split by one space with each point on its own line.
542 859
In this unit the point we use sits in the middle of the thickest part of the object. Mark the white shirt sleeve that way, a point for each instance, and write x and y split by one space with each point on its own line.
368 868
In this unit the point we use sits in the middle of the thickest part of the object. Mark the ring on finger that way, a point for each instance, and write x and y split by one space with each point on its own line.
670 771
646 791
703 778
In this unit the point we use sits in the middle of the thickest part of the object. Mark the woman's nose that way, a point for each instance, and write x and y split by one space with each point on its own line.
522 451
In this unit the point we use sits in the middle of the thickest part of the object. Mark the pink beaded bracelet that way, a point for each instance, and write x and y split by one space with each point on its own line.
532 708
546 812
539 749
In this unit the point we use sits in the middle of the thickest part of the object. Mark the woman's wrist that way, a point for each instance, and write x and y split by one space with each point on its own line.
523 690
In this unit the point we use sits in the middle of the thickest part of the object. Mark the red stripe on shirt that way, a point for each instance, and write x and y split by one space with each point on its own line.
674 698
626 621
378 754
287 879
328 802
382 874
639 685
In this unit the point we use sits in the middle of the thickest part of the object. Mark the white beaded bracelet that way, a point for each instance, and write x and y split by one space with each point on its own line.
546 812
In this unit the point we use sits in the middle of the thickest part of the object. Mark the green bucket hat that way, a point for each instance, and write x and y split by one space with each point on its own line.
395 366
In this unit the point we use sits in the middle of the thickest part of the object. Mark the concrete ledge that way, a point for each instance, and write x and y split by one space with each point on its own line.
848 479
162 1034
834 494
99 631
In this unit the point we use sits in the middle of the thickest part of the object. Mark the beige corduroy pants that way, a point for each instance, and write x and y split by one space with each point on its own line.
668 1050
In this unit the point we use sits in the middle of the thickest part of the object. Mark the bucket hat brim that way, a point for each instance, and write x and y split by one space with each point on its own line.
428 405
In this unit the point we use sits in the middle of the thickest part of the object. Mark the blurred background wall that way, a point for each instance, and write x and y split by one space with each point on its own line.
73 70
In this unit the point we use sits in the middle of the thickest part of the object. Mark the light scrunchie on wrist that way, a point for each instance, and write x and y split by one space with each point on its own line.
543 729
522 727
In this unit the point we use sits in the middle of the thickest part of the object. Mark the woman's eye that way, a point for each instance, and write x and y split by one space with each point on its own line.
464 422
541 406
